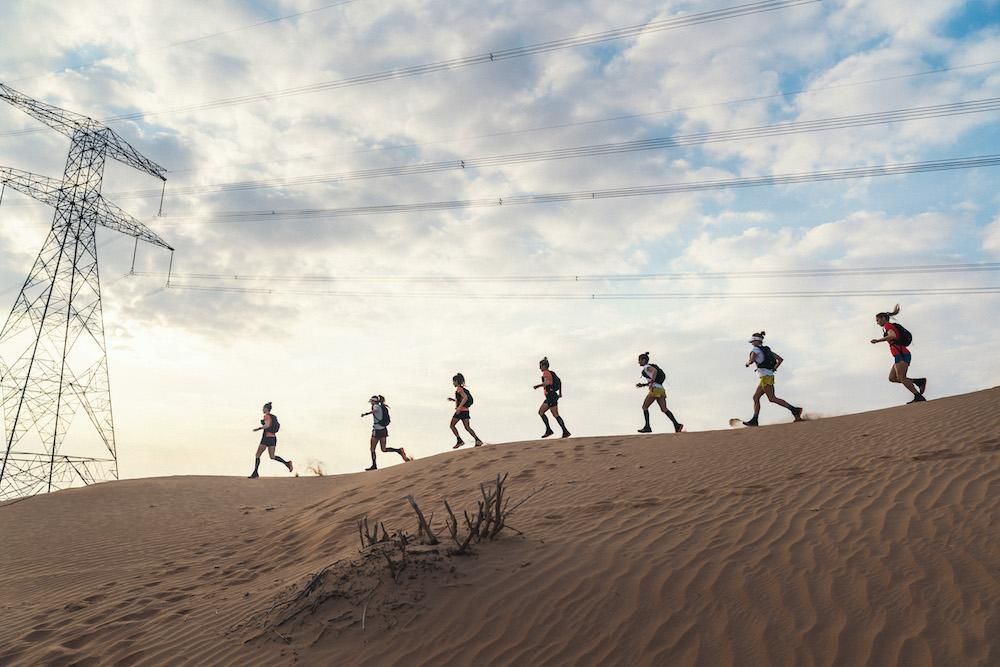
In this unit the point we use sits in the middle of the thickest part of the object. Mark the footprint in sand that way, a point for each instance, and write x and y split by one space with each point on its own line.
990 445
37 634
936 455
847 471
751 490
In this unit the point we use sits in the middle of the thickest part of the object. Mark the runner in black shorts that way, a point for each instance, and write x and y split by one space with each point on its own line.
380 428
462 400
268 440
553 392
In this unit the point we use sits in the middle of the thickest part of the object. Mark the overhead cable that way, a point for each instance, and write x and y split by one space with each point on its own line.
590 39
913 269
973 162
597 150
611 119
608 296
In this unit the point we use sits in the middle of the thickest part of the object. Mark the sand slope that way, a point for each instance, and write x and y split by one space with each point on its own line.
864 539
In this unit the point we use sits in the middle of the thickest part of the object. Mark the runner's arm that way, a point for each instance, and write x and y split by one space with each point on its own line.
889 336
777 360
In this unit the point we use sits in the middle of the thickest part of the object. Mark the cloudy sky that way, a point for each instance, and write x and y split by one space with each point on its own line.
224 95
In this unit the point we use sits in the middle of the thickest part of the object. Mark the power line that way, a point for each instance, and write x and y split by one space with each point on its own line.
633 191
593 150
639 296
590 39
916 269
543 128
192 40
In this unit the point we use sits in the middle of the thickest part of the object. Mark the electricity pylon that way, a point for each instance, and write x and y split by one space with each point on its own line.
56 327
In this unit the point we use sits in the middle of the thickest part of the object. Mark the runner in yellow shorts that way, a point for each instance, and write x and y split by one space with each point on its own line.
767 363
653 377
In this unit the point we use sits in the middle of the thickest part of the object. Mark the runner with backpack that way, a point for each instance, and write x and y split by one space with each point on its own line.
268 440
380 428
553 392
899 340
463 401
767 363
654 377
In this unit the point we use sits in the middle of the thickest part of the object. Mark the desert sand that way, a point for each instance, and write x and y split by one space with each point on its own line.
868 539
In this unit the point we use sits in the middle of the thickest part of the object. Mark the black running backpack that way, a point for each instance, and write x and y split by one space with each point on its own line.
770 361
556 383
275 425
903 336
660 375
385 417
468 398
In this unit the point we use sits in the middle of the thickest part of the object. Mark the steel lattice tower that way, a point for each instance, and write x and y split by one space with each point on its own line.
56 327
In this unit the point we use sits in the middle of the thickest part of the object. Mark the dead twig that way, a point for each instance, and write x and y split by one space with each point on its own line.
423 526
364 612
527 498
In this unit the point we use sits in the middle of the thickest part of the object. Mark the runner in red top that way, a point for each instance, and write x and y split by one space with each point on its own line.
553 392
901 357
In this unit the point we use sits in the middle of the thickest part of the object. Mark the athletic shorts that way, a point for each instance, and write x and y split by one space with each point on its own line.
906 356
269 441
657 392
461 416
766 380
380 432
551 398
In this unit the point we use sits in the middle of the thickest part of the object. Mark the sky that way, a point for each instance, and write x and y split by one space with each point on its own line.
191 364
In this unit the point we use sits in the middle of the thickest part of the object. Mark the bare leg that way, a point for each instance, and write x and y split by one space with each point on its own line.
796 412
542 409
458 439
756 406
287 464
662 402
382 442
465 423
555 413
645 413
898 374
256 467
374 465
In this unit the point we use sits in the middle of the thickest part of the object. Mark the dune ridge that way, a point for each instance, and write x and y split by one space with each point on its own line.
860 539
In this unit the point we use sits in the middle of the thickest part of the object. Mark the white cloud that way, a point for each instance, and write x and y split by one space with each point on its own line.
991 237
215 356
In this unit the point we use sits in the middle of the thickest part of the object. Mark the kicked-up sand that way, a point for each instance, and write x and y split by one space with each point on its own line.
868 539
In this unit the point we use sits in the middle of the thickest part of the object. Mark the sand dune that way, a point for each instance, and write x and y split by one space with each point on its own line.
863 539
